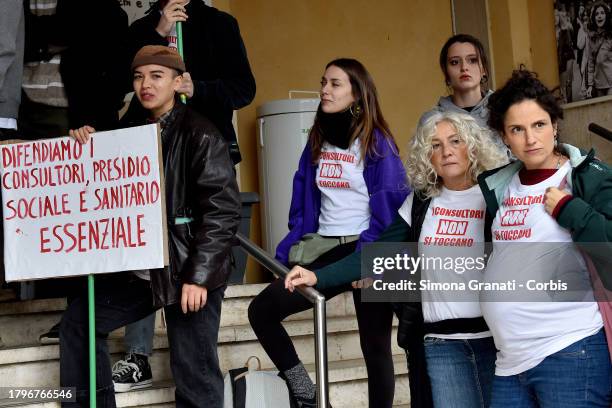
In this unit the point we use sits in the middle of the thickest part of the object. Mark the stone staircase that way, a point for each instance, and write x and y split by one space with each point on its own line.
26 363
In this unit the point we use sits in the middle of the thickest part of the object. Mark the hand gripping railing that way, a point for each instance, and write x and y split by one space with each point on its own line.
317 299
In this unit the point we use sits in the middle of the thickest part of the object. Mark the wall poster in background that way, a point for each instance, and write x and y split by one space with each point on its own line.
584 48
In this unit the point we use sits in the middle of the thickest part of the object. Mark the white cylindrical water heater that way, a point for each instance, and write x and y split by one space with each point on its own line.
282 133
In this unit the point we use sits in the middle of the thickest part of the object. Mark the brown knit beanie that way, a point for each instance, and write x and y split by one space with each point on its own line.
158 55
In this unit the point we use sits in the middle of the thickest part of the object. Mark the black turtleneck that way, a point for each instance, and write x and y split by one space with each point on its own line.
336 127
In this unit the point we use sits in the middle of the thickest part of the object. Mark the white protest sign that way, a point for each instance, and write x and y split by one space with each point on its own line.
72 209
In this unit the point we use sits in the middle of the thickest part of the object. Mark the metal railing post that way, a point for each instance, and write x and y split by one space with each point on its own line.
321 352
318 301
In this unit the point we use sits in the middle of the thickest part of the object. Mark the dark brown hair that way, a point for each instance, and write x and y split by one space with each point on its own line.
370 117
607 28
523 85
480 51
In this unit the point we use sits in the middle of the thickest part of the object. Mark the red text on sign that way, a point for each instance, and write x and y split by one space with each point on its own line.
101 234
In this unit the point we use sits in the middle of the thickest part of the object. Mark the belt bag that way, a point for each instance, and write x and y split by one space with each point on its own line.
313 245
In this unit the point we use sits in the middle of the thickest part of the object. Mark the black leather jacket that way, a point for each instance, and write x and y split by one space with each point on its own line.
200 184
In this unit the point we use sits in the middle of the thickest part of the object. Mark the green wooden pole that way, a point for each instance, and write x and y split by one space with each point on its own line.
92 341
179 44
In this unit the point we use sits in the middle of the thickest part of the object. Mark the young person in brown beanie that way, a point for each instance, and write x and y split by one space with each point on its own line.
202 205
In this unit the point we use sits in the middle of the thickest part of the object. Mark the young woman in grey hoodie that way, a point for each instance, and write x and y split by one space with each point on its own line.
465 66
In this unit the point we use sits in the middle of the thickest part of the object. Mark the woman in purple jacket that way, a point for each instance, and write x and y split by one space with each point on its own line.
348 187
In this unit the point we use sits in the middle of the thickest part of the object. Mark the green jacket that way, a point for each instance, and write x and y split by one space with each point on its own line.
587 216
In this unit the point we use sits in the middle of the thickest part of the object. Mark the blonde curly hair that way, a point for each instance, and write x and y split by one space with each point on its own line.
483 152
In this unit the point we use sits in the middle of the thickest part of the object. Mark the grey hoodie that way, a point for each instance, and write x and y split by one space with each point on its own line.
11 56
445 104
480 112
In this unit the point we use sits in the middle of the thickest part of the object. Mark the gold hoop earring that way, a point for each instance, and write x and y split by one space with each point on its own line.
355 110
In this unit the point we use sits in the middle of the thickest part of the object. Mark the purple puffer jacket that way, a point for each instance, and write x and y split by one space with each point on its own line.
384 176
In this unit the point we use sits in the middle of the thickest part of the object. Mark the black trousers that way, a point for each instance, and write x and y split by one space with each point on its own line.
121 299
275 303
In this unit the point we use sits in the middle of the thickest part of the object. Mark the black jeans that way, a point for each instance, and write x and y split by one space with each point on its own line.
275 303
121 299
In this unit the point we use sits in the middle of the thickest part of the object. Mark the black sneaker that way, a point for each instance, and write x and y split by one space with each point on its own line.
50 337
132 373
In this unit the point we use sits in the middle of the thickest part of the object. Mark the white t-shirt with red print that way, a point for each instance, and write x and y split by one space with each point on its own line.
521 215
345 202
453 227
527 332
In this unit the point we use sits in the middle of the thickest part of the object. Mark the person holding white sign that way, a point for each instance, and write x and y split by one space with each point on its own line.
203 209
217 82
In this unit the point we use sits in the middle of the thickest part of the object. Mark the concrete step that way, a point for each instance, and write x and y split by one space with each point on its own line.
349 384
24 361
347 379
10 306
24 307
22 322
39 365
160 395
7 294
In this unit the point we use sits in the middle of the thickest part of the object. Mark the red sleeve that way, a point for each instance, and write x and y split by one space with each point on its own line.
560 205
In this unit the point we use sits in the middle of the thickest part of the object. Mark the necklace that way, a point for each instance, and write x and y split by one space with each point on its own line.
560 160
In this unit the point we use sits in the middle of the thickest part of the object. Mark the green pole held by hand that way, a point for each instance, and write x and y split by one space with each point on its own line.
92 341
179 43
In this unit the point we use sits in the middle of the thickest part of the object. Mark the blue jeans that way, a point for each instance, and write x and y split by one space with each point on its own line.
461 371
121 299
578 376
139 336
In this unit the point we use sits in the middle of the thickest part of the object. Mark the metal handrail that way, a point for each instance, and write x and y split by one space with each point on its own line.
317 299
601 131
